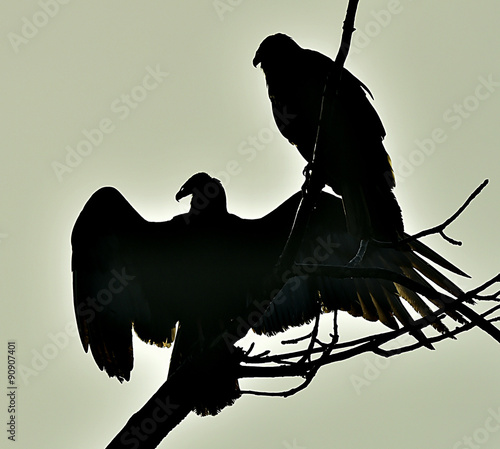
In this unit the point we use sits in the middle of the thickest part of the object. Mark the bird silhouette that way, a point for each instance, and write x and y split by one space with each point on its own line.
304 85
204 269
197 269
328 243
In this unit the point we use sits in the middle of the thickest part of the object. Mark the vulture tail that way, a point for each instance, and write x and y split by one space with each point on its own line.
210 373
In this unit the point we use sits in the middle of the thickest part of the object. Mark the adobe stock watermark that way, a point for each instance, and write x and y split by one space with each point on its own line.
454 117
58 341
294 276
104 296
122 107
136 434
31 26
382 18
255 144
40 358
248 150
292 445
222 7
482 434
375 366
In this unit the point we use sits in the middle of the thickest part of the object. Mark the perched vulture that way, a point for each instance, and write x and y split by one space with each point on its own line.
350 155
202 269
198 270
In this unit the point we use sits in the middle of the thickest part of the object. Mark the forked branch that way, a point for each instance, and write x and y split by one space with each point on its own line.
440 228
305 363
313 185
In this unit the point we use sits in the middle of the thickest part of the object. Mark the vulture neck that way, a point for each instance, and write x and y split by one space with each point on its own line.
209 207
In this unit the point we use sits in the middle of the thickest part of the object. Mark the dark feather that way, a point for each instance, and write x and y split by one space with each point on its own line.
373 299
350 155
198 269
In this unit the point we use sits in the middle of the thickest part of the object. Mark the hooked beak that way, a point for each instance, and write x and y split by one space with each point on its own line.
182 193
194 183
256 60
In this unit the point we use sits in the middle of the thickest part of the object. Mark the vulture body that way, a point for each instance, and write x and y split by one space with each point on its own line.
204 268
197 269
350 156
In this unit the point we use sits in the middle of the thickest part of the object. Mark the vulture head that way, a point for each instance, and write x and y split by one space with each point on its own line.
208 195
273 49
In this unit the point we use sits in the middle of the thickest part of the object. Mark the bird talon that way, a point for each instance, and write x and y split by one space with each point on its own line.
312 184
339 135
356 260
307 170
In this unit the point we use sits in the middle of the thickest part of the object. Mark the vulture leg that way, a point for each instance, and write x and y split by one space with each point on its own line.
356 260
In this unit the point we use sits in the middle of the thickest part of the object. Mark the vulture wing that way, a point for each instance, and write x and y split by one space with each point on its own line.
198 269
327 242
122 272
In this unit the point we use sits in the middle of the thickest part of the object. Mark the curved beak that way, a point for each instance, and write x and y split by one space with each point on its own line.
182 193
256 60
196 182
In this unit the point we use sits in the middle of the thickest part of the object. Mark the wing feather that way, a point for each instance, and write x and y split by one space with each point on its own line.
110 281
373 299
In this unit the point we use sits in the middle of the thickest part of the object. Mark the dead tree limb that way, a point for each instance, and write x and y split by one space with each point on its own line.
162 412
301 364
313 185
440 228
174 399
348 29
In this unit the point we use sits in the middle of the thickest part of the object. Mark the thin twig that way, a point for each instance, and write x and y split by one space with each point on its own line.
348 29
313 184
372 344
440 228
287 368
450 304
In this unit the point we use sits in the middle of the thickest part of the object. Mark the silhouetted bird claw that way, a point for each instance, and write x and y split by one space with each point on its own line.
307 169
312 183
348 146
356 260
307 174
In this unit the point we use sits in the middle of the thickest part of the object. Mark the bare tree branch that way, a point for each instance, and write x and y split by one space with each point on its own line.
313 184
283 365
440 228
348 29
176 398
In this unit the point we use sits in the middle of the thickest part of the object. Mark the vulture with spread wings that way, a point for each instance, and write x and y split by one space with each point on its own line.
350 156
204 268
197 269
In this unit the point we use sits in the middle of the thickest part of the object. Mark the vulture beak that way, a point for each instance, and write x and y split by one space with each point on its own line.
256 60
182 193
197 181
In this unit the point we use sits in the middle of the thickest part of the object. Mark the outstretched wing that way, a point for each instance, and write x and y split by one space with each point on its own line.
121 270
327 242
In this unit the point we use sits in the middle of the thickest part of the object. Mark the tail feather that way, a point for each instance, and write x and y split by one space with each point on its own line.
405 318
384 310
372 212
434 275
385 212
210 371
428 253
362 289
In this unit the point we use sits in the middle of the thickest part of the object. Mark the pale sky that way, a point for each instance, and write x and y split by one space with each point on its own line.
171 88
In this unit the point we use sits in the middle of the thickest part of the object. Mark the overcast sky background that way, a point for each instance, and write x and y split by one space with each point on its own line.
64 73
